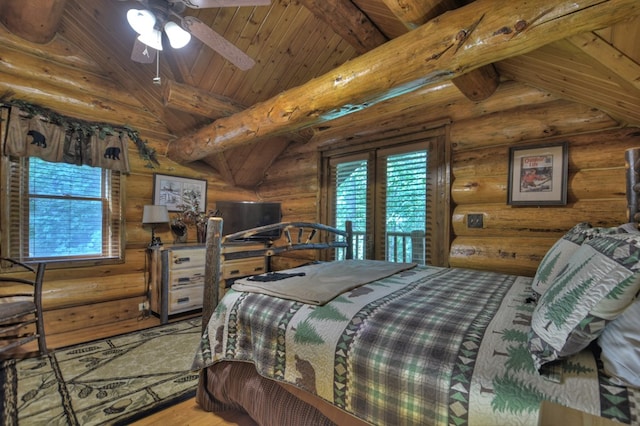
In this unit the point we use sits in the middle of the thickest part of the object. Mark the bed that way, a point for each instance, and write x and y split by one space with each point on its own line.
416 344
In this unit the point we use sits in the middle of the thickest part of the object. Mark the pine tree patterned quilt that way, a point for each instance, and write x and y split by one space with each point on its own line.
426 346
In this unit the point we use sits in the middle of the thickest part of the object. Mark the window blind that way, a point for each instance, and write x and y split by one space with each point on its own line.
407 186
403 187
62 212
349 180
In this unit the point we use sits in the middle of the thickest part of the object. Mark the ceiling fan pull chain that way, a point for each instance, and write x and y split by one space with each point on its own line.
156 79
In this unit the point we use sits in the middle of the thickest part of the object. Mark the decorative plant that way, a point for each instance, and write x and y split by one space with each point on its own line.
190 214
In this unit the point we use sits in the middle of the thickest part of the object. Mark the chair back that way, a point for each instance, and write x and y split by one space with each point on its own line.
21 319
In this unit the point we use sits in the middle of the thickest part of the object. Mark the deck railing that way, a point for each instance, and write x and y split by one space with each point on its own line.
401 246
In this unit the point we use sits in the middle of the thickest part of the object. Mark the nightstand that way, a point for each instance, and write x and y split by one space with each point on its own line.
176 279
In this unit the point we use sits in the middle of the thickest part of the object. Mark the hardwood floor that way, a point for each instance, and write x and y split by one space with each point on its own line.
189 413
185 413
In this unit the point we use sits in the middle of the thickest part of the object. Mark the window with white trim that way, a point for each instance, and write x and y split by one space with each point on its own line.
61 212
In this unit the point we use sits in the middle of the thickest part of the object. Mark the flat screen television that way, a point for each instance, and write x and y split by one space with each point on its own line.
242 215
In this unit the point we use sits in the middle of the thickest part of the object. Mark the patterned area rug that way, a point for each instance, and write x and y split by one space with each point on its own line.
111 381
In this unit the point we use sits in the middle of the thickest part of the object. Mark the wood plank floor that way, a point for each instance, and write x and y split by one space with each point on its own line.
185 413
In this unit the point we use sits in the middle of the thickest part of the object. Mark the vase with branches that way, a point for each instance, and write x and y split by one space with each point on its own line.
191 214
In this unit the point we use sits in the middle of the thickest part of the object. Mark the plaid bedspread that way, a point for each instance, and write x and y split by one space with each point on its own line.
425 346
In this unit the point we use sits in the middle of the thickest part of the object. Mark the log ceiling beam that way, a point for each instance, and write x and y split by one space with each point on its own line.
192 100
414 13
195 101
348 22
35 20
476 85
353 26
442 49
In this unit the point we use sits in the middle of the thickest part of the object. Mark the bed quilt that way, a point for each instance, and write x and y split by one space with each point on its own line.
425 346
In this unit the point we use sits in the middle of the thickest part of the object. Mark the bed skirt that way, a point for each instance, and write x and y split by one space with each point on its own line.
237 386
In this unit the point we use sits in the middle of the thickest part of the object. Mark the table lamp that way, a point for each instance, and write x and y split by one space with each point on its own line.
155 215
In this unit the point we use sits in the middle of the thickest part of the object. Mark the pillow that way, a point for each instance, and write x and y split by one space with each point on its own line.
630 227
555 261
620 344
601 279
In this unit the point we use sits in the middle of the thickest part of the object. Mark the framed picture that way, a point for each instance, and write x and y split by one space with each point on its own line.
175 191
538 175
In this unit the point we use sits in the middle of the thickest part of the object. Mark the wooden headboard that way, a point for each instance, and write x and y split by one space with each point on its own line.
295 236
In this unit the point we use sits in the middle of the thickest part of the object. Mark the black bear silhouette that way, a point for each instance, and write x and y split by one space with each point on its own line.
307 373
112 152
38 138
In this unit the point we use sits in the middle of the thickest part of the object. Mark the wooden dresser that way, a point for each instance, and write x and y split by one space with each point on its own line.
240 260
176 274
176 279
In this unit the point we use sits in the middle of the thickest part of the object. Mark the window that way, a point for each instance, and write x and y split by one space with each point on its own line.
405 209
62 212
394 193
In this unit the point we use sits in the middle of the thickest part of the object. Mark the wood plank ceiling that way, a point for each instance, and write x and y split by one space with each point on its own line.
294 42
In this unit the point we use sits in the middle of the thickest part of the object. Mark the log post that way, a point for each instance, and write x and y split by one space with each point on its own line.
212 269
632 165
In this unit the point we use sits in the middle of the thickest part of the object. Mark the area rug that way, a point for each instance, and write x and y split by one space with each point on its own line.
111 381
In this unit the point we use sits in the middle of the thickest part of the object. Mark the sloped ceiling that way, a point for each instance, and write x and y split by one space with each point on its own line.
295 42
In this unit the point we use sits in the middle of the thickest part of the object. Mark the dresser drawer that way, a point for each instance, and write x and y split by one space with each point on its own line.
186 277
185 299
185 258
243 267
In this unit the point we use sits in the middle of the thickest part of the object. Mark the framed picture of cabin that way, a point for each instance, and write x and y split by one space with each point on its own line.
177 192
538 175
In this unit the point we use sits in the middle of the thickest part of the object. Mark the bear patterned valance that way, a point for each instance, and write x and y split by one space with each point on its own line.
31 135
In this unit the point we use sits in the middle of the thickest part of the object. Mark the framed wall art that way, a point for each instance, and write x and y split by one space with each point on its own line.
175 192
538 175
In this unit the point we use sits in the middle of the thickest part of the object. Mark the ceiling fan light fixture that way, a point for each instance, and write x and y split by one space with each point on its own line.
152 39
178 38
141 20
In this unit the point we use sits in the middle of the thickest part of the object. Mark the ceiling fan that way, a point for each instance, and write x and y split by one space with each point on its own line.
160 15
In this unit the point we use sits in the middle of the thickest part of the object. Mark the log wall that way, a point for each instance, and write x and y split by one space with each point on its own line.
513 239
48 75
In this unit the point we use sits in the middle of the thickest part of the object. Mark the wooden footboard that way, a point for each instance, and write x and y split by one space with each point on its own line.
222 250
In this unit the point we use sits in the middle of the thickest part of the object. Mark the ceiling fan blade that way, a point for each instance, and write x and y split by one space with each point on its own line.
218 43
202 4
143 53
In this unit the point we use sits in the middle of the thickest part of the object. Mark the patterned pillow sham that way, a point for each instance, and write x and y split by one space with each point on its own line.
620 344
601 279
555 260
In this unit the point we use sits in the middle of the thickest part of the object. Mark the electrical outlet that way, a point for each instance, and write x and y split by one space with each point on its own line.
475 220
143 306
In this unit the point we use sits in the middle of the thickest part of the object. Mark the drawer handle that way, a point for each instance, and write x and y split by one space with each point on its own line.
259 268
235 271
180 260
183 300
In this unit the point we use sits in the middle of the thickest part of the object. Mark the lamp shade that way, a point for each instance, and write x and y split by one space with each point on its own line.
178 38
141 20
155 214
152 39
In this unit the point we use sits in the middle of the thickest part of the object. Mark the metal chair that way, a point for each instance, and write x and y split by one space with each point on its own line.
21 307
